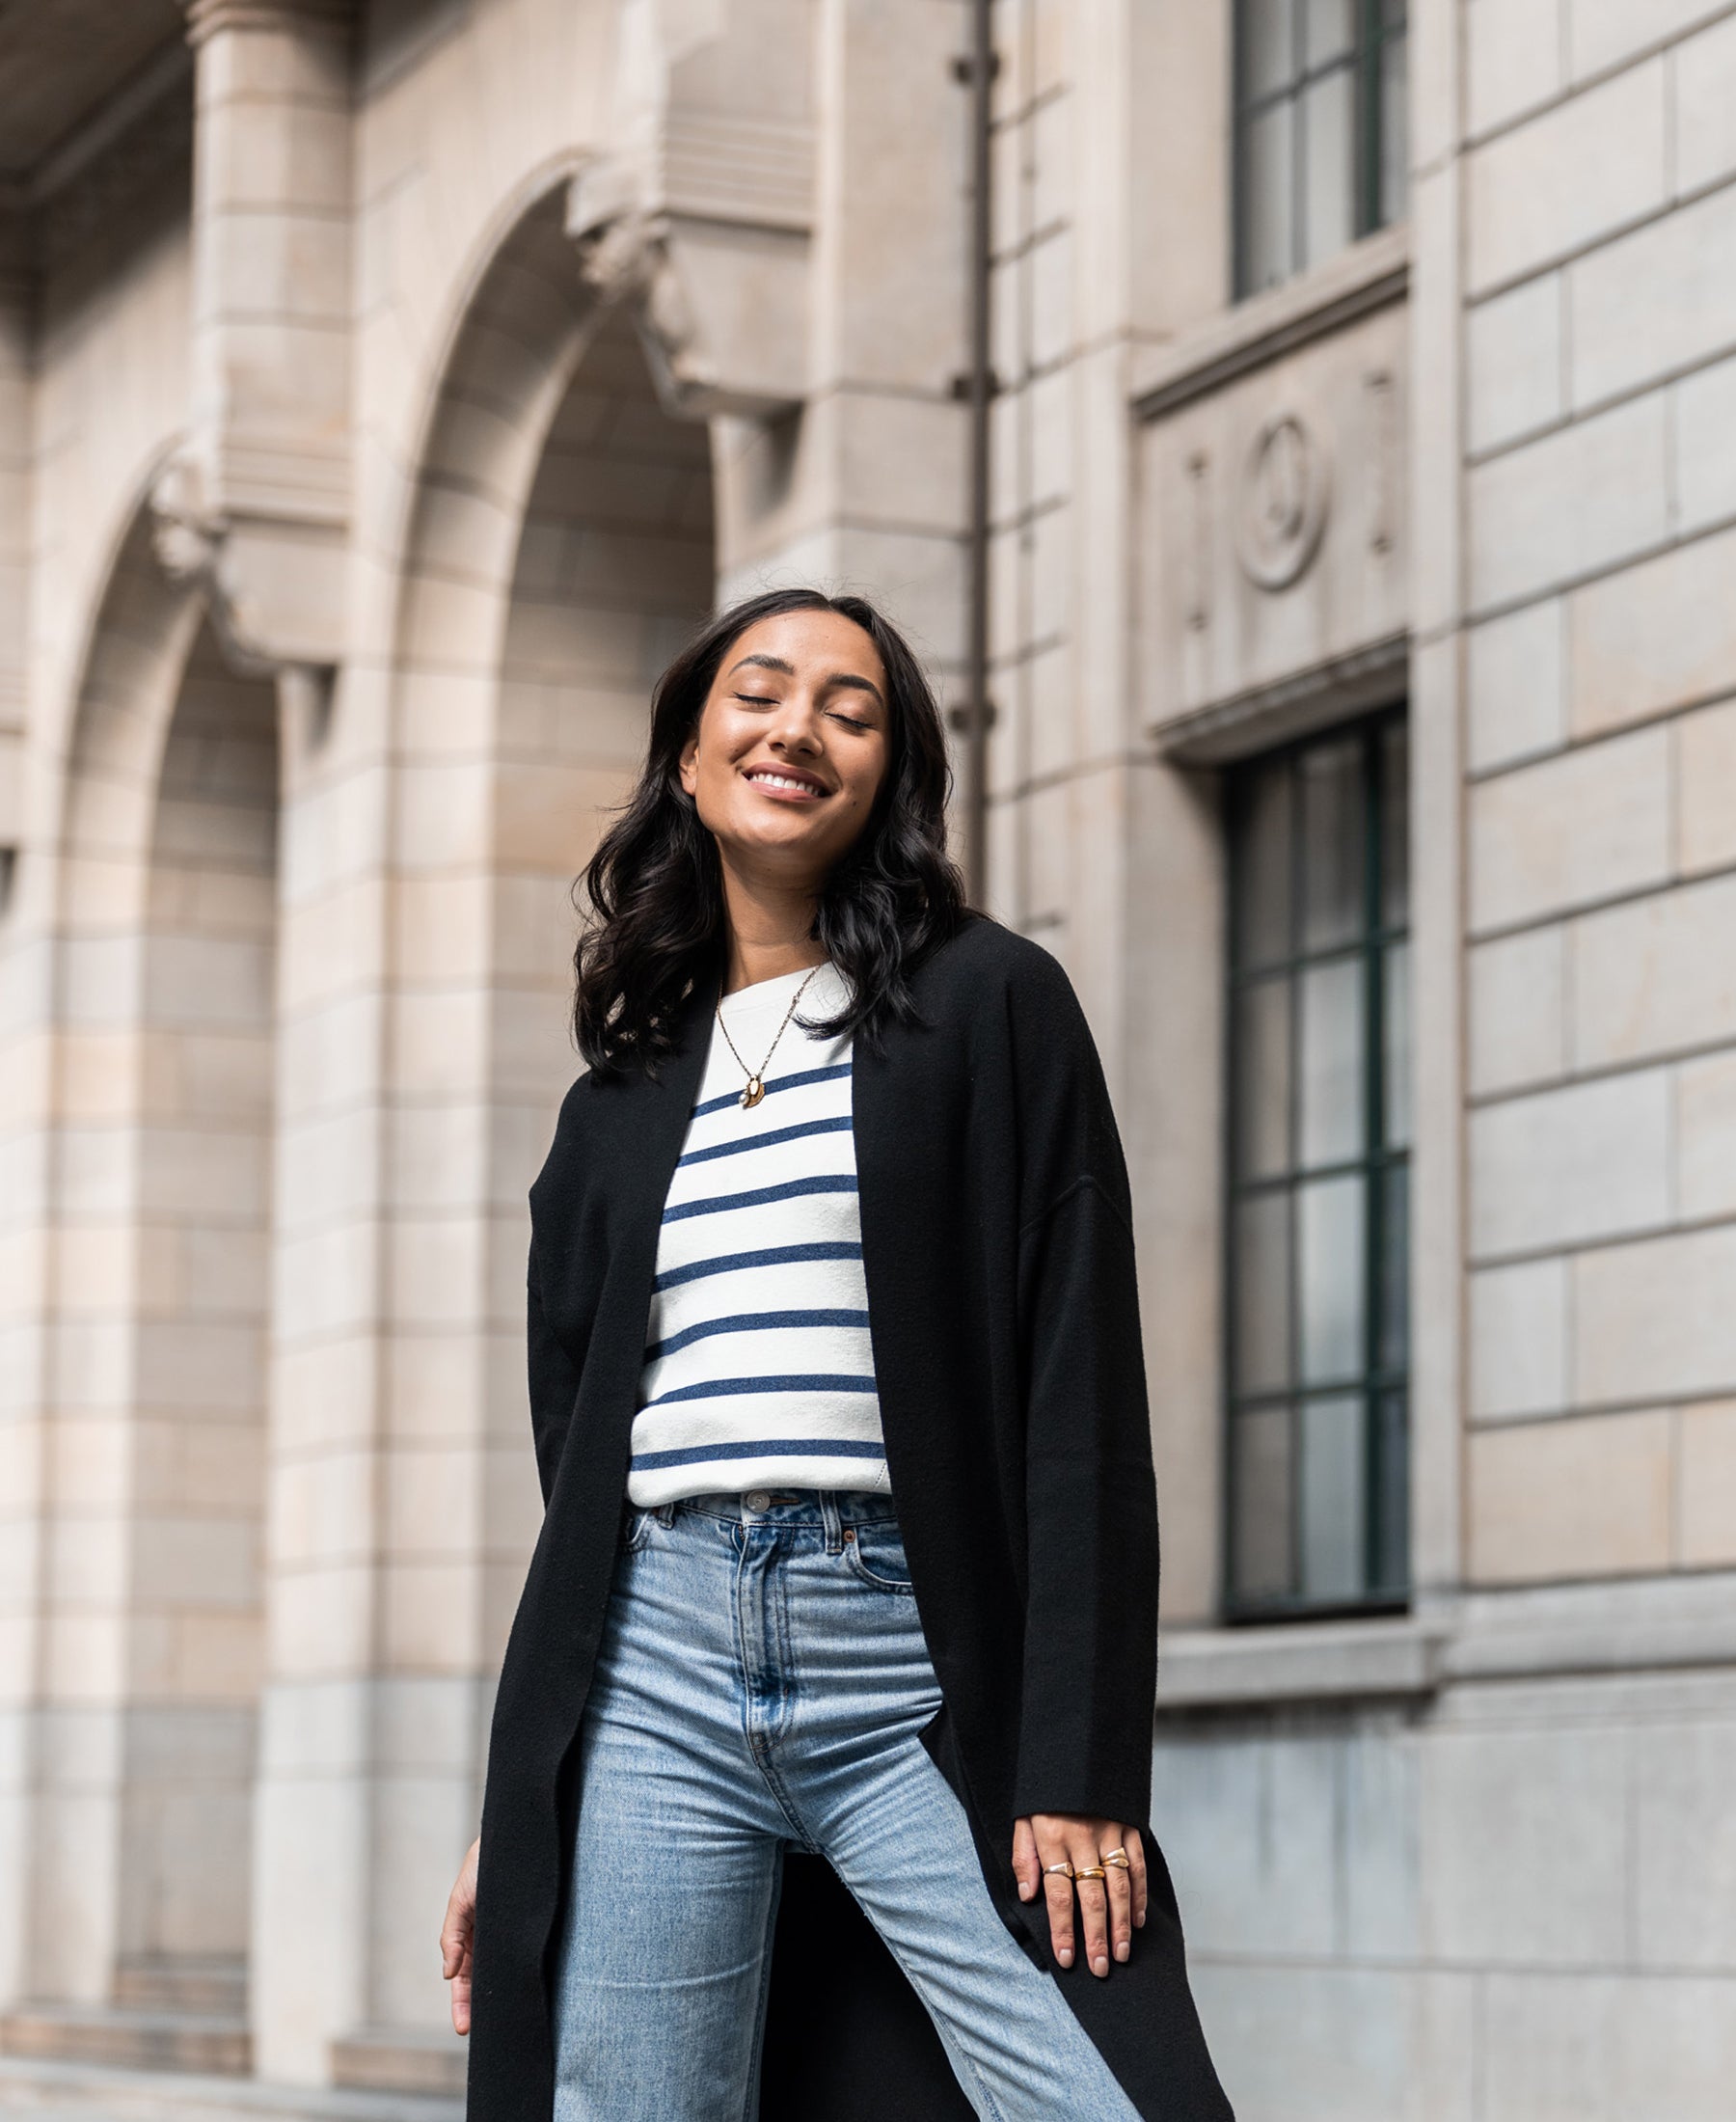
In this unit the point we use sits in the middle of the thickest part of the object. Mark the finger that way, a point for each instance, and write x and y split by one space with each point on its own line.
1026 1868
1094 1902
456 1931
1121 1897
1135 1849
1058 1894
461 2004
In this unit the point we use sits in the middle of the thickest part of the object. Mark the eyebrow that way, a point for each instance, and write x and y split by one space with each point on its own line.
847 678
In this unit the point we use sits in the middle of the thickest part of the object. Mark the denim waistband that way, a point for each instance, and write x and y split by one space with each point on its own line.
820 1507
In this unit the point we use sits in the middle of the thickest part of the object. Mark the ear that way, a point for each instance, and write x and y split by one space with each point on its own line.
689 761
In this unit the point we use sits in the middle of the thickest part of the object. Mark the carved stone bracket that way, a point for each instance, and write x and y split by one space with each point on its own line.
721 307
196 548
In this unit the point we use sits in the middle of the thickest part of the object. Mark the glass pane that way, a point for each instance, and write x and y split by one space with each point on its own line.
1395 131
1333 1479
1334 1088
1268 202
1260 1563
1392 1493
1330 1278
1264 869
1262 1294
1328 120
1332 844
1395 825
1394 1268
1395 1055
1262 1086
1331 29
1268 46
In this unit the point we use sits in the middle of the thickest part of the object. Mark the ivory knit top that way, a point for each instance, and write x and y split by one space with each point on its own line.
759 1371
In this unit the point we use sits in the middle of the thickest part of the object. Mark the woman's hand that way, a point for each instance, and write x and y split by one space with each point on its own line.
1072 1838
456 1934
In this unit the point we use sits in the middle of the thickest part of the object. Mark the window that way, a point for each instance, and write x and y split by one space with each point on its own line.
1318 1175
1321 146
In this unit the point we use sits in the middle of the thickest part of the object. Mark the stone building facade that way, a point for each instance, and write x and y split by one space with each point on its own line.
384 390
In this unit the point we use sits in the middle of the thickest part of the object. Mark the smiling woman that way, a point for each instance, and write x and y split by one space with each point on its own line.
849 1555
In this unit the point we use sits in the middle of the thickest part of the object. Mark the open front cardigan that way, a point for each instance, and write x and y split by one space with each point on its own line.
1004 1320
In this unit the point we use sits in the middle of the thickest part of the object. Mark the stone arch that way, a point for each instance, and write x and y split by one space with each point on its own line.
154 1214
558 543
561 546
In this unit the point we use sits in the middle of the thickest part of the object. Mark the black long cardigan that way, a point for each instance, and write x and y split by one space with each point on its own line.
998 1252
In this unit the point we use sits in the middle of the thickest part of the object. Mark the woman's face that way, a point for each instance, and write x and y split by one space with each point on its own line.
791 746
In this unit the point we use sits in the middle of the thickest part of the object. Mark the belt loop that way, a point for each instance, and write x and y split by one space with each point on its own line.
834 1523
666 1512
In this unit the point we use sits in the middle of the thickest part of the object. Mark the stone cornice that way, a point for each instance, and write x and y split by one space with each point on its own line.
207 17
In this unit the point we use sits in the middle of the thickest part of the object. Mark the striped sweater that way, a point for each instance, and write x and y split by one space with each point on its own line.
759 1371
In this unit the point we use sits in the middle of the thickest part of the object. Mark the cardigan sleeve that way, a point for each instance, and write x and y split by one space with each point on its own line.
1089 1670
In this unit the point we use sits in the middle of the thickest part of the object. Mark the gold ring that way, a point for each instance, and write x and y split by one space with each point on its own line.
1090 1871
1064 1865
1119 1858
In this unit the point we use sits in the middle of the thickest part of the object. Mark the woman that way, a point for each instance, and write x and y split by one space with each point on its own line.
849 1551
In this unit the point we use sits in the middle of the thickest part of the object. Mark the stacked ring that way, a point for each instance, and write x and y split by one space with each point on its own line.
1090 1871
1065 1865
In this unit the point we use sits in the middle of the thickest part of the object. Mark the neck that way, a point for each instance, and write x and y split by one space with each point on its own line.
768 930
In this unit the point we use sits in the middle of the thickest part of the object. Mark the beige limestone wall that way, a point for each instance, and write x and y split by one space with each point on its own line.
1600 182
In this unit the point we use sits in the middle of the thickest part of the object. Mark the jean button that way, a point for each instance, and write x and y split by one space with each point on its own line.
757 1499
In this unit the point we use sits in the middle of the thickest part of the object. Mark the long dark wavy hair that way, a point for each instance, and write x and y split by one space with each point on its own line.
654 927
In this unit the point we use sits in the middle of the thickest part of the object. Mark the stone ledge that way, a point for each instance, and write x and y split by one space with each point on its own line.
86 2092
1263 328
1298 1662
1621 1625
1618 1625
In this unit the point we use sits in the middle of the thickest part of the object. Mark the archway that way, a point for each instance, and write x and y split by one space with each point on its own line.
559 546
154 1376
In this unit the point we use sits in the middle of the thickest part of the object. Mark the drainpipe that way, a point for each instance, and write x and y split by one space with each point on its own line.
977 71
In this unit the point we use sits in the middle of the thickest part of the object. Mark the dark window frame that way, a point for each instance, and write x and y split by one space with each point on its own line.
1378 24
1386 1444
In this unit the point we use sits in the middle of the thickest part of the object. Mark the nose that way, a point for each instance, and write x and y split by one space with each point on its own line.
797 724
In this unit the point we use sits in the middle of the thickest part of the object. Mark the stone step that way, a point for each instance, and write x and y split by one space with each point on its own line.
389 2060
31 2088
202 2044
206 1988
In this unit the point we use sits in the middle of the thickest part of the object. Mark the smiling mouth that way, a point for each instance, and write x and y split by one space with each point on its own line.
791 785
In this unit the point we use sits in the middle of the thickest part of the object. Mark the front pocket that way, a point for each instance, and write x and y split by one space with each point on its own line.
635 1528
876 1555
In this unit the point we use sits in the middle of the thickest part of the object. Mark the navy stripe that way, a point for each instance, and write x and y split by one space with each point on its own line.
760 1196
748 1323
783 1083
726 1388
761 1447
839 1125
768 1256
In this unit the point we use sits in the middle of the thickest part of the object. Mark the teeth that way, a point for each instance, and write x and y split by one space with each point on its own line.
780 780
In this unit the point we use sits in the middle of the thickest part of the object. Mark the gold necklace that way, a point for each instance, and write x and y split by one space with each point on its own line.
756 1077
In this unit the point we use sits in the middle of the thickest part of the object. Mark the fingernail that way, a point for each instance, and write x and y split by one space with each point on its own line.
1122 1950
1024 1890
1099 1966
1065 1955
1140 1918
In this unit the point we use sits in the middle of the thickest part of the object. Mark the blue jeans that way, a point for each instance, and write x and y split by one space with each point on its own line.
761 1681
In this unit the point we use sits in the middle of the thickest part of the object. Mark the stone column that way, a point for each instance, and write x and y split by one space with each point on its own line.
258 508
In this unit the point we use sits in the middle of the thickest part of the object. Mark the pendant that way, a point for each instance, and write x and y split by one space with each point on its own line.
754 1092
